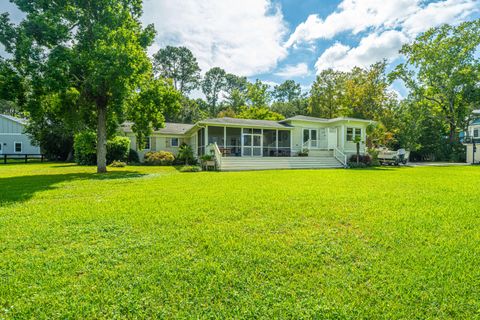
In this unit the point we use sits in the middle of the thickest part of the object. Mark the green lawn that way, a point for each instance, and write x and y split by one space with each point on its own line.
394 243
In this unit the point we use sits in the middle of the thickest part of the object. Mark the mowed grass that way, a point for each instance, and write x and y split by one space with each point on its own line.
142 242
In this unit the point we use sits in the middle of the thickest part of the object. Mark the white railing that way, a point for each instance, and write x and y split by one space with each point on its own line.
316 144
340 156
218 155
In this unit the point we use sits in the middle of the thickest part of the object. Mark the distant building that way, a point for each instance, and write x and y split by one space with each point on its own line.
13 139
472 139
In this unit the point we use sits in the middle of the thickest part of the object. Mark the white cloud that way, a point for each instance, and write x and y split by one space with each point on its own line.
394 23
299 70
438 13
371 49
355 16
243 37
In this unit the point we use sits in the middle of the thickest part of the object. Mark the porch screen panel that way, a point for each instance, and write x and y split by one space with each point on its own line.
216 135
201 142
284 143
234 143
270 143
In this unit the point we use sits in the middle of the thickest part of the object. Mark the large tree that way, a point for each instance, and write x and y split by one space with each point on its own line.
214 83
288 99
258 94
442 67
326 94
91 54
180 65
235 92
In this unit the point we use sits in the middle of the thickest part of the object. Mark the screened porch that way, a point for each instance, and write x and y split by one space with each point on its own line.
245 142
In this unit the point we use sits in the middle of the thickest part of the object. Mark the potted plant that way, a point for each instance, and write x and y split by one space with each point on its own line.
208 160
303 153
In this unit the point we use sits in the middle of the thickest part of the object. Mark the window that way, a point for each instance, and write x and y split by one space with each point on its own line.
349 134
18 147
352 133
476 133
174 142
147 143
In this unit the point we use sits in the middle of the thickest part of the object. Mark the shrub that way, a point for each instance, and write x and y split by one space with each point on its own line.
85 148
366 159
118 164
133 156
207 157
117 149
185 154
85 144
160 158
355 165
190 169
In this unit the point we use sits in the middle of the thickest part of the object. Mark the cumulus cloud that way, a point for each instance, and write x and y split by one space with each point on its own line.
243 37
390 23
371 49
299 70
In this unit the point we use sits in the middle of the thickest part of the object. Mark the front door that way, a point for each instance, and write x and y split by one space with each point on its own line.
252 143
332 138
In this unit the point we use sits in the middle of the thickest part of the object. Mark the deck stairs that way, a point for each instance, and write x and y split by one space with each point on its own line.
270 163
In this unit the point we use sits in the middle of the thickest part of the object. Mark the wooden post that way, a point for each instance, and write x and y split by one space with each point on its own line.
41 158
5 159
26 157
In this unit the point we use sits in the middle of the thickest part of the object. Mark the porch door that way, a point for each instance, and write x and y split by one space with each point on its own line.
252 142
310 136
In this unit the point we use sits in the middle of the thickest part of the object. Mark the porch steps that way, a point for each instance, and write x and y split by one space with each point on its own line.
241 164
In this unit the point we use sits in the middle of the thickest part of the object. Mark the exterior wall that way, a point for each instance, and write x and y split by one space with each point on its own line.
470 154
341 126
12 132
158 143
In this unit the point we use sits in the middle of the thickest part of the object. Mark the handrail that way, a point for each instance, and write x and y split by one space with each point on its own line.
340 156
218 155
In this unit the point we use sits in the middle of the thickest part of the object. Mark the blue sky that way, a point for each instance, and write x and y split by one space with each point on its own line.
275 40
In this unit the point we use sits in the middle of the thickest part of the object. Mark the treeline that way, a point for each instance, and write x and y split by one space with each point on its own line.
85 67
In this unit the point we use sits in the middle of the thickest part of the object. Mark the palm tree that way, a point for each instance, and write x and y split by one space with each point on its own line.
357 140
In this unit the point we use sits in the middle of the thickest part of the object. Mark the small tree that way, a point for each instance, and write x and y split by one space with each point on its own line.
185 154
357 140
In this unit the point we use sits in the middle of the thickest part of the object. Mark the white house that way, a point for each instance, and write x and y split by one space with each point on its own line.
13 140
472 140
242 144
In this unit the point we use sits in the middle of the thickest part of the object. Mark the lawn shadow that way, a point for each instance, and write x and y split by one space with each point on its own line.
22 188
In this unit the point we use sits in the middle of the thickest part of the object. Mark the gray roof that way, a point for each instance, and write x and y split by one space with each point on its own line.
246 122
170 128
15 119
314 119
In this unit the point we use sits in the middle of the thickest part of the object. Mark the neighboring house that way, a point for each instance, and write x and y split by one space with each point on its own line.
261 144
473 139
13 140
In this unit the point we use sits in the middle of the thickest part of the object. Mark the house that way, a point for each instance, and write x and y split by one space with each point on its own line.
13 140
472 139
244 144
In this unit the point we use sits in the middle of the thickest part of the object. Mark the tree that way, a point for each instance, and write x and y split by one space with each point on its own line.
180 65
236 90
259 113
93 55
326 94
288 91
366 93
214 83
442 68
257 94
289 99
11 93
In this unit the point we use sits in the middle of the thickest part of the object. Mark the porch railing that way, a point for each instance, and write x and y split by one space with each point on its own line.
218 154
316 144
340 156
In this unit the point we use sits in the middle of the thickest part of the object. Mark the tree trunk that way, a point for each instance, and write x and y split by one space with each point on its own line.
102 138
358 153
70 156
